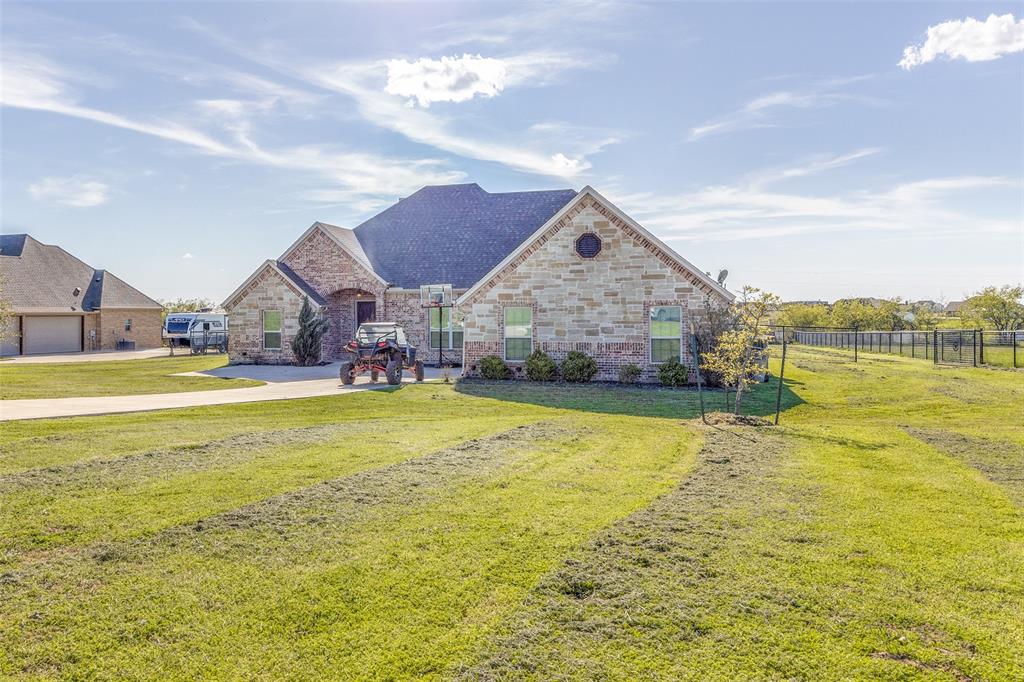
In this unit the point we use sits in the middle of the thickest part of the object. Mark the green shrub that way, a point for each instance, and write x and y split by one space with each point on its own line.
493 367
630 374
578 367
673 373
540 366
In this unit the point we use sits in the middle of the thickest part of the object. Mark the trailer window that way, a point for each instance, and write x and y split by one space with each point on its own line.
272 330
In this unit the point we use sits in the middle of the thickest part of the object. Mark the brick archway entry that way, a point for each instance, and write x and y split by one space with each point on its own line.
347 308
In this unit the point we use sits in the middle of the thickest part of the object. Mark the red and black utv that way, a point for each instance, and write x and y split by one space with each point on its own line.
380 347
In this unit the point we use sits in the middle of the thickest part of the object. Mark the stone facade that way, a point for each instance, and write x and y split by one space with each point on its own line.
599 305
268 290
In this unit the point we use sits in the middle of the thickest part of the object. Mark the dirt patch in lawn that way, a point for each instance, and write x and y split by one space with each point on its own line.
151 463
641 579
1000 462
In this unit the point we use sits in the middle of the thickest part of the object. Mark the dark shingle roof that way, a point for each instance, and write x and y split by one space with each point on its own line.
41 277
453 234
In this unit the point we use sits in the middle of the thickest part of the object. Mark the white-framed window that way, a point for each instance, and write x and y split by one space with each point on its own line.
445 332
666 333
518 333
272 330
128 325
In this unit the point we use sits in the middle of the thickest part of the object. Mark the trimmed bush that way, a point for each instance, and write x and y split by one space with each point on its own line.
630 374
540 366
673 373
578 367
493 367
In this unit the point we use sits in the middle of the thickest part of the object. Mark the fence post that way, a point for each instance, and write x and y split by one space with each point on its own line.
855 343
1015 350
935 346
782 372
981 347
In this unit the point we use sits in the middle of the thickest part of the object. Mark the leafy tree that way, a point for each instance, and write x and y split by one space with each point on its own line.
306 343
740 354
805 315
1000 307
188 305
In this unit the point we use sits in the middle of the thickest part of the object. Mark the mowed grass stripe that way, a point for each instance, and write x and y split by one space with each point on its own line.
181 489
390 573
44 443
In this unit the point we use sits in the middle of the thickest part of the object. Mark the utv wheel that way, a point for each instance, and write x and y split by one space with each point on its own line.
394 371
347 376
419 370
374 375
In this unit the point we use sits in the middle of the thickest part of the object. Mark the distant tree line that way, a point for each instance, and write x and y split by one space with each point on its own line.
992 308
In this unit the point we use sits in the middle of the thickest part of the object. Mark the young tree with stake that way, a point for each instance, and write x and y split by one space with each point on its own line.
741 353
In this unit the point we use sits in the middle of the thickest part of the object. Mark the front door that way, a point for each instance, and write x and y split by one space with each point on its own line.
366 311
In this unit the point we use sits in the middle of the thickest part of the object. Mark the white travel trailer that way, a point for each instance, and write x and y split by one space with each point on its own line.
180 328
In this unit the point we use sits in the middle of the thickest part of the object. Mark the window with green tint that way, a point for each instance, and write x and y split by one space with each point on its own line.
518 333
272 330
444 329
666 333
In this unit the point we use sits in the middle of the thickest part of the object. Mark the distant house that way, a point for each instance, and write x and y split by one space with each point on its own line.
927 304
555 270
62 305
953 307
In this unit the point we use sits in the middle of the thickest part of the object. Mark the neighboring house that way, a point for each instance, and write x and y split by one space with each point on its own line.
552 270
953 307
62 305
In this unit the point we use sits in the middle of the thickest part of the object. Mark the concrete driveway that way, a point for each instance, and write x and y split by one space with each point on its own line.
283 383
93 356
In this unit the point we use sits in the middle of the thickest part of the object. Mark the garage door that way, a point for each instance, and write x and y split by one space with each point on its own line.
53 334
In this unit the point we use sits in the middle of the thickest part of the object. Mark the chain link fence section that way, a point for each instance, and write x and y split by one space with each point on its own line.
972 347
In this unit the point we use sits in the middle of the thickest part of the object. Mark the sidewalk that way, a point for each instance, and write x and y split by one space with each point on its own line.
93 356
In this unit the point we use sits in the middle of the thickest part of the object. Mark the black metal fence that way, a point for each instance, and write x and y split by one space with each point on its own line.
972 347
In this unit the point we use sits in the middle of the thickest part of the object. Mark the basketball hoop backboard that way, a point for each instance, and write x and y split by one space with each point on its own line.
435 295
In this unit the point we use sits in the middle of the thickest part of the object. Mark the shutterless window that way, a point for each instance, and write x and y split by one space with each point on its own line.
666 333
272 330
128 325
445 332
518 333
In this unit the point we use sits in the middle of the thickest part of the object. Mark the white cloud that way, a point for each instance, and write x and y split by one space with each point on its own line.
813 166
73 191
448 79
187 256
968 39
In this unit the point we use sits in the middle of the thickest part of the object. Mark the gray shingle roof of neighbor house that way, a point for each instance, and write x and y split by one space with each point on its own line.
40 277
451 234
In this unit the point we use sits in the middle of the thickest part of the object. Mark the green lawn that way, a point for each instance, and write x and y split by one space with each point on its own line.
114 377
519 531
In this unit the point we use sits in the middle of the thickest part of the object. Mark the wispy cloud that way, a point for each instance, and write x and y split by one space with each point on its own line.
74 191
448 79
921 209
366 83
32 82
967 39
812 166
761 112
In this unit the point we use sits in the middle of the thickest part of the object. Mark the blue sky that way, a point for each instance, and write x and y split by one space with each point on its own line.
817 150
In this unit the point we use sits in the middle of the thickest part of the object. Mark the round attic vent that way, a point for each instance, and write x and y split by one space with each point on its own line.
588 245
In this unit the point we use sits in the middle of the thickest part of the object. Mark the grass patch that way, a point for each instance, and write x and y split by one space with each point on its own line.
116 377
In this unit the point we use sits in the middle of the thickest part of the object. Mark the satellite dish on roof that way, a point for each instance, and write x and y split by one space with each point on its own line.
722 274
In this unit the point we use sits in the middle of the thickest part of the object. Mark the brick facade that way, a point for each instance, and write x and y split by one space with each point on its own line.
599 305
146 324
267 291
